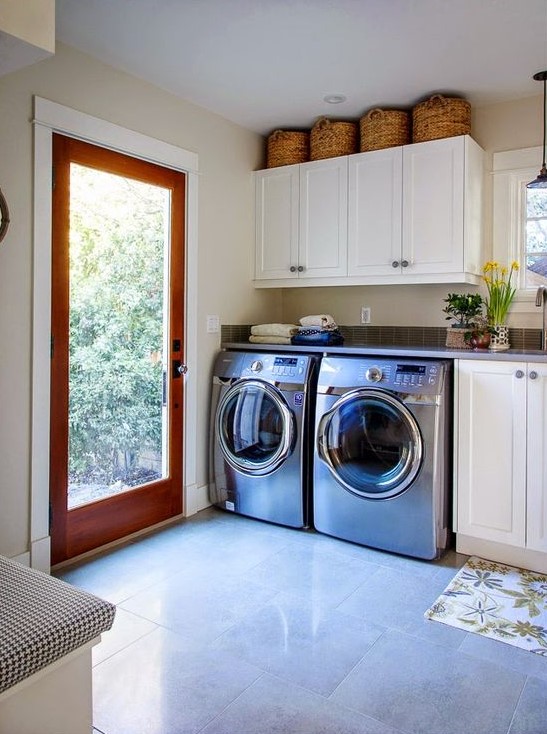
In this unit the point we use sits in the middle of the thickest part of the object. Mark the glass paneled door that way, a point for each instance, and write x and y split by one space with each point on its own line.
117 361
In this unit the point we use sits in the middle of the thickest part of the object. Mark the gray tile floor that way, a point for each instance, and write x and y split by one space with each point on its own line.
227 625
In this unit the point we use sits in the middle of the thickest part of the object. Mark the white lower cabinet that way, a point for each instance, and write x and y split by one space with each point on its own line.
500 460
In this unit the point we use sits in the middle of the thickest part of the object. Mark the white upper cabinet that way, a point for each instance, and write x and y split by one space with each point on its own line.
375 211
410 214
434 206
323 218
277 221
301 221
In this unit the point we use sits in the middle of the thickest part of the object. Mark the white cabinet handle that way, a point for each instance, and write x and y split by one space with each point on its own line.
533 375
519 374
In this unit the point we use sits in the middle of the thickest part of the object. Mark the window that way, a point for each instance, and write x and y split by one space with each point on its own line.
535 239
520 221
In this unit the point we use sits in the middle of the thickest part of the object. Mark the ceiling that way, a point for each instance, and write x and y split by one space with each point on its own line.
266 64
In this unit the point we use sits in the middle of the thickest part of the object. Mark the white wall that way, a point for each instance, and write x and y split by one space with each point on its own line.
227 154
507 126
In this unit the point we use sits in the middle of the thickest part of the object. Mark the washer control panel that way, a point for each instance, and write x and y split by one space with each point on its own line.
276 368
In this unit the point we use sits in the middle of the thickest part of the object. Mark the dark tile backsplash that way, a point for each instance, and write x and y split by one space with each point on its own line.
408 336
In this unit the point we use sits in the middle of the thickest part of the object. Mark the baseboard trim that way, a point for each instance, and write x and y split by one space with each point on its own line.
509 554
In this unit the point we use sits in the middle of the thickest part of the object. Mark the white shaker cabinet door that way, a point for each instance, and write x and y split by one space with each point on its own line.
375 203
491 450
536 530
276 211
323 218
433 206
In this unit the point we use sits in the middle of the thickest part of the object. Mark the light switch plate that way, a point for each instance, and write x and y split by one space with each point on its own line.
365 314
213 324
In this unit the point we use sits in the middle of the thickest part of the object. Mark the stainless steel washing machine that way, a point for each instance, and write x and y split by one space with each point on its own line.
382 465
261 429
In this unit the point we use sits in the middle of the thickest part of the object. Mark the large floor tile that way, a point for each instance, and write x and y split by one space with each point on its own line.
524 661
422 688
398 599
531 714
163 684
312 647
316 574
127 628
200 605
272 706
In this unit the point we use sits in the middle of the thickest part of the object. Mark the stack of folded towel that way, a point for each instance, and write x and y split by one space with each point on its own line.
272 333
320 329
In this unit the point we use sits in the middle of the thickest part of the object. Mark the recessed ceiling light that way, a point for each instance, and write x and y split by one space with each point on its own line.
334 98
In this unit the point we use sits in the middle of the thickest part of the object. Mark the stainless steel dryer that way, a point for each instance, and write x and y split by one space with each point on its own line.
382 467
261 428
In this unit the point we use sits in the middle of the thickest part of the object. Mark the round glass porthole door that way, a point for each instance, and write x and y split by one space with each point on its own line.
255 427
371 443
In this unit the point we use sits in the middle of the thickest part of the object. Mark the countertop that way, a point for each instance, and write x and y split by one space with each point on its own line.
510 355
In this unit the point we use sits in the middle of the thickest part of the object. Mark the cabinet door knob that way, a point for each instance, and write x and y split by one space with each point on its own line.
405 263
395 264
293 268
519 374
533 375
300 268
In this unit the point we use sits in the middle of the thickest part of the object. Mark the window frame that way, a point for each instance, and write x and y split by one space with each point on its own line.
511 169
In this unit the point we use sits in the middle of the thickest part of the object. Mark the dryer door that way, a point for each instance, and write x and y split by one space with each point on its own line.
371 443
255 427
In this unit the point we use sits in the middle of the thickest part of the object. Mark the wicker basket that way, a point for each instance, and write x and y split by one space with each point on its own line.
384 129
455 338
329 139
440 117
286 147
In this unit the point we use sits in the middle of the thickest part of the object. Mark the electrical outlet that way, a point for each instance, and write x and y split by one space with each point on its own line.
213 324
365 315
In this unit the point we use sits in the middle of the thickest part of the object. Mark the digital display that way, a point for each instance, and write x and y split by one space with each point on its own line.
285 361
411 369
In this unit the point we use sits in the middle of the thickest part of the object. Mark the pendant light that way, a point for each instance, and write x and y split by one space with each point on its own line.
541 181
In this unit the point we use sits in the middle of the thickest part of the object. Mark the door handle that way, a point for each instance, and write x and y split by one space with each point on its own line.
178 369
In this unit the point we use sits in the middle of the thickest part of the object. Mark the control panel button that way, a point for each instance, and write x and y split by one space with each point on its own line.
373 374
257 366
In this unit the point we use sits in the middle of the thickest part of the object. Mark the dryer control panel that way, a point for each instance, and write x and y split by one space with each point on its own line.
399 375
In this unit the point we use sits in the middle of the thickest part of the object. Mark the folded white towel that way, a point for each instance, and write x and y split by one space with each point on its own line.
274 329
323 320
270 339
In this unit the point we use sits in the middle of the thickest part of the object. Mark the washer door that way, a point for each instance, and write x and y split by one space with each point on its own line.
255 427
371 443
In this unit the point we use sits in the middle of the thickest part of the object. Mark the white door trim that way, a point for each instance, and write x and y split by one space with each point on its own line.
50 117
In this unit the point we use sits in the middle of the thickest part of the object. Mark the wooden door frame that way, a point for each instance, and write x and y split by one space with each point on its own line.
95 524
50 117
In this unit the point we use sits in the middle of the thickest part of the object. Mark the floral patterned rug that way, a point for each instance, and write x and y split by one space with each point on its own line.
505 603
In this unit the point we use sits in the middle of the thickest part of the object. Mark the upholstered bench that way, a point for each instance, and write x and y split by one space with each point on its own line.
47 630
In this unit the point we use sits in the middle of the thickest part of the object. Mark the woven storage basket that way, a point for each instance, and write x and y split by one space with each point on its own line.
286 147
329 139
455 338
440 117
384 129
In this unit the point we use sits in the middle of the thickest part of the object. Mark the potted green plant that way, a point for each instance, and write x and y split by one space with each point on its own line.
462 308
480 333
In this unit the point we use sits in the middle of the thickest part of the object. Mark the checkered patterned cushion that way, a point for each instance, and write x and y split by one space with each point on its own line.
42 619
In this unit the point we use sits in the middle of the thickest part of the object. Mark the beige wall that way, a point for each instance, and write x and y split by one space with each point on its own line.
32 21
507 126
227 154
